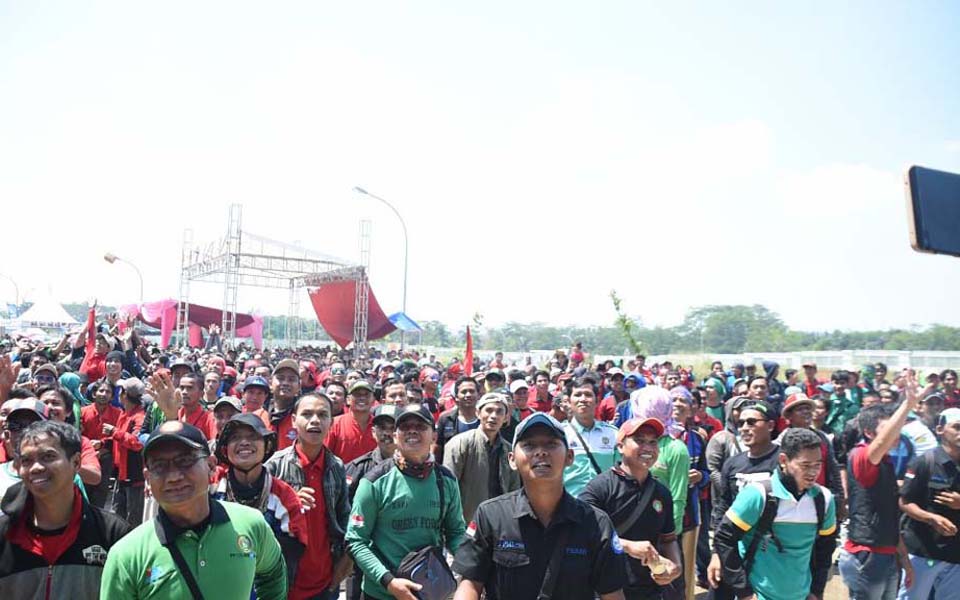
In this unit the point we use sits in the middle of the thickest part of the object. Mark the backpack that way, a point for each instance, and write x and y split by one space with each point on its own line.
764 527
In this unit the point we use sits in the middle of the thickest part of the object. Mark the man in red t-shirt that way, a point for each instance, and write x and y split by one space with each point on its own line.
92 419
191 410
351 434
286 390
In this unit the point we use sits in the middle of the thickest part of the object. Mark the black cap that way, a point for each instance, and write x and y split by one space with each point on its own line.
543 419
760 406
386 412
419 411
245 420
181 363
177 431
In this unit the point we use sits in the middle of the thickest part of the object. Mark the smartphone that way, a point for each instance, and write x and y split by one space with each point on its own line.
933 210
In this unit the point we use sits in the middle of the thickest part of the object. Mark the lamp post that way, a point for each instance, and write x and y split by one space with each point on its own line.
16 292
112 258
406 255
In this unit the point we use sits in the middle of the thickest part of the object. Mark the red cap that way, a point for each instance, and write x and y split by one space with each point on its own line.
633 425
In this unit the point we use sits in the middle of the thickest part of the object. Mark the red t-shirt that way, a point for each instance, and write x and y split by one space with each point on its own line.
286 432
126 440
202 419
540 405
346 440
315 571
866 474
88 456
92 420
607 409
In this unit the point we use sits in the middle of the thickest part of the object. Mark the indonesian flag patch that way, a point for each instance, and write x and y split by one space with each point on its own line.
356 520
472 529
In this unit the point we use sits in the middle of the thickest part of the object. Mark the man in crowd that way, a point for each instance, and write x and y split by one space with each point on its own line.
593 442
395 392
320 481
930 498
244 445
231 547
351 434
460 418
800 530
641 509
128 498
873 554
798 412
92 418
513 538
211 389
399 507
286 390
541 401
256 390
337 392
52 541
191 410
479 458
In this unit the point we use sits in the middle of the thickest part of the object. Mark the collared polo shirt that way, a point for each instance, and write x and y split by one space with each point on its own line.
602 440
315 570
926 477
775 574
508 549
236 553
347 441
617 493
202 419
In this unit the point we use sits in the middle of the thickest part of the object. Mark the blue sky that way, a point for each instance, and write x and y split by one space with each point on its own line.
541 153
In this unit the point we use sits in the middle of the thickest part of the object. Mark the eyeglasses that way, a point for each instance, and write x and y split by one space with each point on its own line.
750 422
45 379
184 463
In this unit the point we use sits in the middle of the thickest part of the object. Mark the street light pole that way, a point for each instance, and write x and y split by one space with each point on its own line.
406 255
112 258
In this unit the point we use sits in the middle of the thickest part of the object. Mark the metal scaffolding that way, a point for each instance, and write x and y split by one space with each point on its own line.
362 294
244 259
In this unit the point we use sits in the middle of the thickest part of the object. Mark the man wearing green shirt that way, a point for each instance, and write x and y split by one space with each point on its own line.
397 509
593 442
225 550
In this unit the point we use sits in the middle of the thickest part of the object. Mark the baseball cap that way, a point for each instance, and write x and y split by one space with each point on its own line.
539 418
519 384
948 416
177 431
614 371
418 411
256 381
287 363
795 400
181 363
386 412
360 384
493 397
245 420
48 367
633 425
30 405
809 363
494 373
761 406
231 401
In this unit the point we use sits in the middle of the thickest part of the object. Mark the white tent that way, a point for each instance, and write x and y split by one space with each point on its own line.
46 312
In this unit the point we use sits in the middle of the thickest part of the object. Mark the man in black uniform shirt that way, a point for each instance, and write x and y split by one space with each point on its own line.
647 532
757 423
513 537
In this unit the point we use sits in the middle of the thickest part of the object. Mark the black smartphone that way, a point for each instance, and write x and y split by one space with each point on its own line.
933 210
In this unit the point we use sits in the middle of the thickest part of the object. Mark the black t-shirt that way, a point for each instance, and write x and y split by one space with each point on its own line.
508 549
927 476
738 471
617 494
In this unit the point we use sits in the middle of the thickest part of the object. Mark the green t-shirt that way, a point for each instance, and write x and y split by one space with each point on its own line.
394 514
672 469
782 575
236 553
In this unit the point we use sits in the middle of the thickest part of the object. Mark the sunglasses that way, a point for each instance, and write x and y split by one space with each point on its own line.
45 378
750 422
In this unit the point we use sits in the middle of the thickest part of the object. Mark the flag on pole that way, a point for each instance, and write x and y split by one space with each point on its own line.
468 357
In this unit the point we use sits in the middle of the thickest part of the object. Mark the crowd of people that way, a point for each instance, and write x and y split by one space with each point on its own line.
132 471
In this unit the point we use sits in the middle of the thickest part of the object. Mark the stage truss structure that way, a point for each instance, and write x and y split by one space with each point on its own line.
244 259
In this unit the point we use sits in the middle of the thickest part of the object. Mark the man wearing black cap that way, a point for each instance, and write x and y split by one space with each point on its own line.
256 390
52 541
756 424
398 508
18 414
196 546
244 445
540 539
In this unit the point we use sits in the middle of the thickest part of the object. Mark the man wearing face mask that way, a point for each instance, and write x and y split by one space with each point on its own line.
793 516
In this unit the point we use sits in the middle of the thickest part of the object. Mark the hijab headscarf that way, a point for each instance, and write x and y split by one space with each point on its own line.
71 383
655 402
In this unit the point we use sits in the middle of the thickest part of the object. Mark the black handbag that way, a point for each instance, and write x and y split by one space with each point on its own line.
427 566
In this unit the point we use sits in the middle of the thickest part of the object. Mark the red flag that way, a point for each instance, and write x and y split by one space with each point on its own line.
468 357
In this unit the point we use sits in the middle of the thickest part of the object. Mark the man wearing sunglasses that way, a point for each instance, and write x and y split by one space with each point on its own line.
45 374
231 548
756 425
